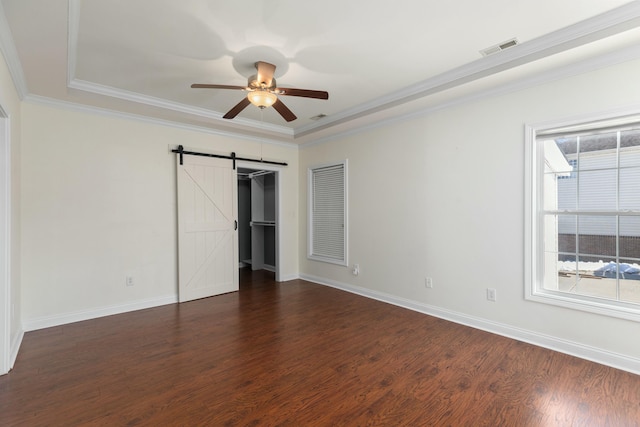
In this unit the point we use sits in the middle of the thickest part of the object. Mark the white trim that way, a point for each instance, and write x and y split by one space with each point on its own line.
530 229
89 109
596 28
8 49
5 244
178 107
289 277
79 316
271 268
574 69
598 355
279 223
599 27
533 264
15 347
583 119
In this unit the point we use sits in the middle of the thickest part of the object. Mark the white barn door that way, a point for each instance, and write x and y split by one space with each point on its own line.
207 236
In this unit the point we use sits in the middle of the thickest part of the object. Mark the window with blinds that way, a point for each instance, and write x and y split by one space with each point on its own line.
327 229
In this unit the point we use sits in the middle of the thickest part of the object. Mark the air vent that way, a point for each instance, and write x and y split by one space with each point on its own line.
499 47
318 117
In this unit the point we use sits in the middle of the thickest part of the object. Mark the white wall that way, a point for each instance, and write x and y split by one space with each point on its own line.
442 196
10 103
438 196
98 204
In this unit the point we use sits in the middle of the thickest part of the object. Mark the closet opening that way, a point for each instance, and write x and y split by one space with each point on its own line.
258 220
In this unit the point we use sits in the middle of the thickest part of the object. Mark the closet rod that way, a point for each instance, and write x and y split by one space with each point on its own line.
259 173
181 151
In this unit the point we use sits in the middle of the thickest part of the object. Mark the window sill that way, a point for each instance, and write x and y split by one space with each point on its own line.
583 303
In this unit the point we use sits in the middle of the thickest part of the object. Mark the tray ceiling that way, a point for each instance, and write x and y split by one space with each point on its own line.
378 60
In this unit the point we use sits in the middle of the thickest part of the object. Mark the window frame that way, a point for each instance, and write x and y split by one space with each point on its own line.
310 214
534 209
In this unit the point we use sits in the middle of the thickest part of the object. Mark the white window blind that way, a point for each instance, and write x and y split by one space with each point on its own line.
327 213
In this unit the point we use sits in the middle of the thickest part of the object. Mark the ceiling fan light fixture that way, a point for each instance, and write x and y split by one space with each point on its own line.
262 98
263 92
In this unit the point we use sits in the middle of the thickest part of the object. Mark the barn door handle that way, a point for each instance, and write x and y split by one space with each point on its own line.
236 224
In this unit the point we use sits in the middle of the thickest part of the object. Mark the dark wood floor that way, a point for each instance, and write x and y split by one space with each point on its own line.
300 354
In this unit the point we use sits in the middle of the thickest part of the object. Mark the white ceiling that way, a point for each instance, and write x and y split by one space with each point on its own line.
378 59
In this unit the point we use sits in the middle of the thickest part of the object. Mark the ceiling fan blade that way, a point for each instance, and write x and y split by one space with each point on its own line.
237 109
284 111
208 86
305 93
265 72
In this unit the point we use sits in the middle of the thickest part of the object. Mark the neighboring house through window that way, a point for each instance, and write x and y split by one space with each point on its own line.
327 207
583 215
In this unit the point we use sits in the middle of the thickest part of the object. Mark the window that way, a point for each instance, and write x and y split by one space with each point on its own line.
583 216
327 229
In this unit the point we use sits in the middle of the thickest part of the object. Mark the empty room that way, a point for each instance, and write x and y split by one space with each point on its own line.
288 213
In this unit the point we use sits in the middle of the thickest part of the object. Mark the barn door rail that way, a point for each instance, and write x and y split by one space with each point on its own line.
181 152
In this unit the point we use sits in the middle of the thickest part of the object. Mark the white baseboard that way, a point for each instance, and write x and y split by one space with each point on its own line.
582 351
15 347
271 268
289 277
78 316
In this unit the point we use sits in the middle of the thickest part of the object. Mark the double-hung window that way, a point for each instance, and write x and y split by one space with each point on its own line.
327 206
583 216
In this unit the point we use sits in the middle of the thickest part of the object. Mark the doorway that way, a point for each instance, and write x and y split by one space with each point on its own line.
259 218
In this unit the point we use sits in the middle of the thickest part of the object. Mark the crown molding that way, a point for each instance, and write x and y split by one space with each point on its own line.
81 108
8 49
86 86
112 92
574 69
581 33
599 27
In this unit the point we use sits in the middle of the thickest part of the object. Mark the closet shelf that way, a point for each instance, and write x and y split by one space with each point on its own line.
263 223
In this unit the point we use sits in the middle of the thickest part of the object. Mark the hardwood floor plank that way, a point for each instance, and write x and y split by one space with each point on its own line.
300 354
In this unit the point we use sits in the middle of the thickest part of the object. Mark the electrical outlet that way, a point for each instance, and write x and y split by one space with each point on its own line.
129 281
356 269
491 294
428 282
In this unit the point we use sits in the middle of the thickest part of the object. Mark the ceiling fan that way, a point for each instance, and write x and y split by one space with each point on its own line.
263 92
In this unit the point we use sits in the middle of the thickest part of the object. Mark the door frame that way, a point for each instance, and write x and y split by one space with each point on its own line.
276 169
5 244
